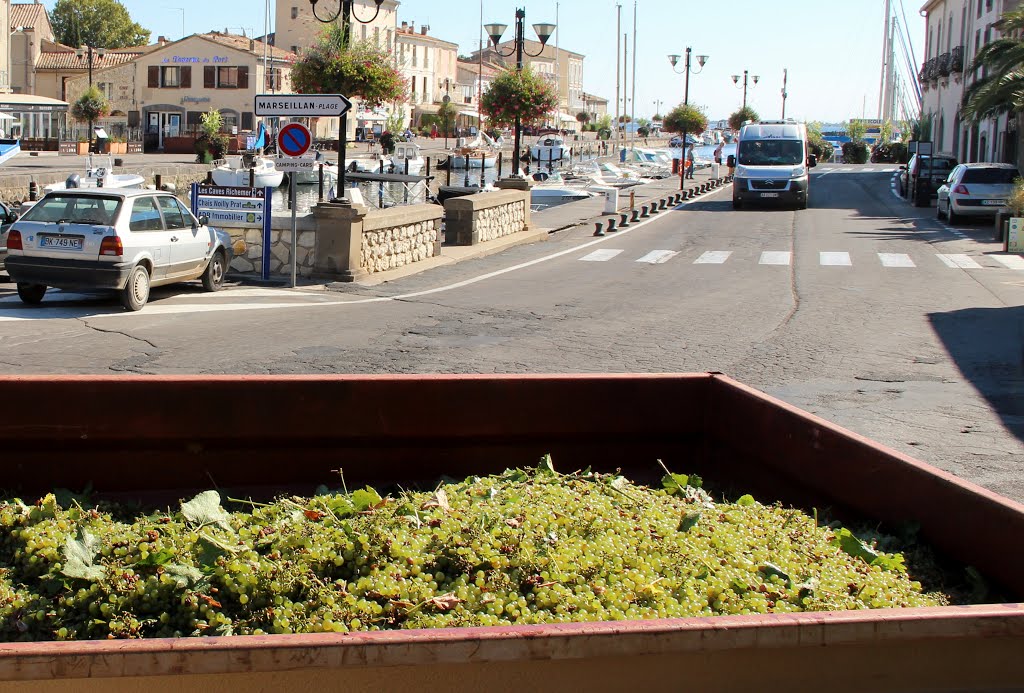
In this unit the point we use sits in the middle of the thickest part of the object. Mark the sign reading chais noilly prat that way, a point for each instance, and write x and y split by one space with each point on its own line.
317 105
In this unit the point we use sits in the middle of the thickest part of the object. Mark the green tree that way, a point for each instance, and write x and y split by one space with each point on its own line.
521 93
211 143
447 115
361 69
96 23
855 130
885 132
1002 89
685 118
737 119
90 107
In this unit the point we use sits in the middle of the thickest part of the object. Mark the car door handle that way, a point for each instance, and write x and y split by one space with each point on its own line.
174 239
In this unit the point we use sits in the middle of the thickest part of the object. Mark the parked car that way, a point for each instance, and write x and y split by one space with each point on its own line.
920 179
976 190
120 239
7 217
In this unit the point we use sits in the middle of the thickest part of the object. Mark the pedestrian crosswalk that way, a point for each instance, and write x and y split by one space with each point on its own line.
833 258
855 169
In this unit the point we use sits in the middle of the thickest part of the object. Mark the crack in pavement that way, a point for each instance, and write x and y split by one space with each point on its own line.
85 322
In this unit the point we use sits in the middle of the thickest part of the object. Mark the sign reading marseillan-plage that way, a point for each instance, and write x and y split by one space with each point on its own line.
315 105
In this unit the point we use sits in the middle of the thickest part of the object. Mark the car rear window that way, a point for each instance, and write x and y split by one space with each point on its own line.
936 164
990 176
75 209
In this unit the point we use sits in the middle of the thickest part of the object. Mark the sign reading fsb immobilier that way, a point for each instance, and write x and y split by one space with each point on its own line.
317 105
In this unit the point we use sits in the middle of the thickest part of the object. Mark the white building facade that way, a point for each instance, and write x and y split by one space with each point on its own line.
956 31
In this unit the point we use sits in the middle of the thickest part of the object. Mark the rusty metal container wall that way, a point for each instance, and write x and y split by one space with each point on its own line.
181 431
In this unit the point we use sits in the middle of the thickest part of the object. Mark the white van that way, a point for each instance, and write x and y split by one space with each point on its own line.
772 160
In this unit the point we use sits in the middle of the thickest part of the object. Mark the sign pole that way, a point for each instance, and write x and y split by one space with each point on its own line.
342 136
265 260
295 232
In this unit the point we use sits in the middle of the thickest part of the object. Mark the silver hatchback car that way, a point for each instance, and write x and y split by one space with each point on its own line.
975 190
106 238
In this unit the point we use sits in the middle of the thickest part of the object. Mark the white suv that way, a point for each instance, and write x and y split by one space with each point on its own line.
126 240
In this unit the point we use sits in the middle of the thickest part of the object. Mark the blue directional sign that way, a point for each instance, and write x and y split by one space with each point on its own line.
294 139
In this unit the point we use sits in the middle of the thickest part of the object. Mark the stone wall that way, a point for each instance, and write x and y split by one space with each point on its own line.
400 236
486 216
248 244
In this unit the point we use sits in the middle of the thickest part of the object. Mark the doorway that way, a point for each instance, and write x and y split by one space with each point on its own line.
163 124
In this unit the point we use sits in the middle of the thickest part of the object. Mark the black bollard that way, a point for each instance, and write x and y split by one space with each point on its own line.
209 177
661 204
252 178
428 167
466 182
499 163
483 169
33 191
449 170
635 216
157 180
599 231
623 220
320 182
611 224
644 212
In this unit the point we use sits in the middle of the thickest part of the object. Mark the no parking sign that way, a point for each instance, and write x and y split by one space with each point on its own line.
294 139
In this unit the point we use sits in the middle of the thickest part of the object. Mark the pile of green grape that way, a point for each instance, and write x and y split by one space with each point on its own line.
523 547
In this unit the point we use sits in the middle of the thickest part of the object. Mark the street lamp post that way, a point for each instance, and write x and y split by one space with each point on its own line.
736 81
687 69
785 94
88 52
495 31
447 100
345 12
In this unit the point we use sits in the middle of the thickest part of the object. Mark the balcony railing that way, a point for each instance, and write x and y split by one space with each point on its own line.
943 62
956 59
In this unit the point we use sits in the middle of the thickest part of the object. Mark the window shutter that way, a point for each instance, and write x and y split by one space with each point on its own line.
247 120
186 76
153 72
192 118
243 77
209 77
133 119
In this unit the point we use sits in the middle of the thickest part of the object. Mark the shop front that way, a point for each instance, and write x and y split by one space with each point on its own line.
37 121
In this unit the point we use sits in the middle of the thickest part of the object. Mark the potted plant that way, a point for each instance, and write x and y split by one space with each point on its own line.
88 108
82 146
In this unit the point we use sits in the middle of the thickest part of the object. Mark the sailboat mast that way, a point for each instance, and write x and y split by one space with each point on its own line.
480 78
633 109
618 63
558 75
885 56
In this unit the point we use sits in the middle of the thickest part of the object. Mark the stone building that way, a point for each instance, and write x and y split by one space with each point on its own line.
296 27
956 31
430 68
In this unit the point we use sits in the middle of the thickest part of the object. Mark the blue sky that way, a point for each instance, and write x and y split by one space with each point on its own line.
832 48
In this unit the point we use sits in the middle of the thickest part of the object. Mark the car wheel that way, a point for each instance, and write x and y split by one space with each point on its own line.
952 217
135 293
938 210
213 277
32 294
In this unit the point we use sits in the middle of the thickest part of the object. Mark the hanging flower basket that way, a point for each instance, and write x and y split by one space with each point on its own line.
362 69
521 93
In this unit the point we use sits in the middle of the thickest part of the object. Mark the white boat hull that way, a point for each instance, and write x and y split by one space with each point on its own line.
307 178
239 177
117 180
459 162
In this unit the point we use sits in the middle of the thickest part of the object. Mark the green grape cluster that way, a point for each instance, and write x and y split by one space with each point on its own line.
517 548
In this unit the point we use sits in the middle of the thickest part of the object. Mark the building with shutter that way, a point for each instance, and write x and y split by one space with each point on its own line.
165 91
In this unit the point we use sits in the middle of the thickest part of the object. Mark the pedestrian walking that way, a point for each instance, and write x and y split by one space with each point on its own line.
689 162
718 152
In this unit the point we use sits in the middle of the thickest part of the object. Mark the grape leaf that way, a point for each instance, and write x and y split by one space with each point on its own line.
205 509
183 575
364 499
78 557
515 476
890 561
770 569
848 542
675 483
689 521
546 465
157 558
745 500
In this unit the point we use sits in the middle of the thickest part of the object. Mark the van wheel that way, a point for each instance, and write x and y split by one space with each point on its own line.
213 277
802 204
135 293
737 203
32 294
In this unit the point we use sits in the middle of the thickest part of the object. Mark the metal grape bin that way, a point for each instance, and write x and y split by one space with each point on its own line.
165 437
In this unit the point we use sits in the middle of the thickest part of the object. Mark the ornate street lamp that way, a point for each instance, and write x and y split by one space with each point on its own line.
736 81
687 70
495 31
88 53
344 10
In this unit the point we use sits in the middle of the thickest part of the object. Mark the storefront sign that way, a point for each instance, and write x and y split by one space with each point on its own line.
182 59
195 99
1015 237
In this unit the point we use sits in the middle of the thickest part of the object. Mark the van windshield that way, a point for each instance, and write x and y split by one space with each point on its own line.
771 152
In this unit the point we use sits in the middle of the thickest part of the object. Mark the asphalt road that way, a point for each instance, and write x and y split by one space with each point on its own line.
861 309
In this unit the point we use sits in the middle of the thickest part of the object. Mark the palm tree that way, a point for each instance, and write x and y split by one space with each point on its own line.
1002 89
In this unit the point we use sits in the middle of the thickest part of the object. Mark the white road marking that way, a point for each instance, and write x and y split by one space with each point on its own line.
657 257
602 255
776 257
713 257
1014 262
836 259
896 260
867 170
958 261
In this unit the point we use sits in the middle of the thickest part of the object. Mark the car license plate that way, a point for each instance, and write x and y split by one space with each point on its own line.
993 203
61 242
769 194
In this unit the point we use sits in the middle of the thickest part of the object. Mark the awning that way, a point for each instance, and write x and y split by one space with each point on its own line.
469 114
6 116
427 107
566 118
371 116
